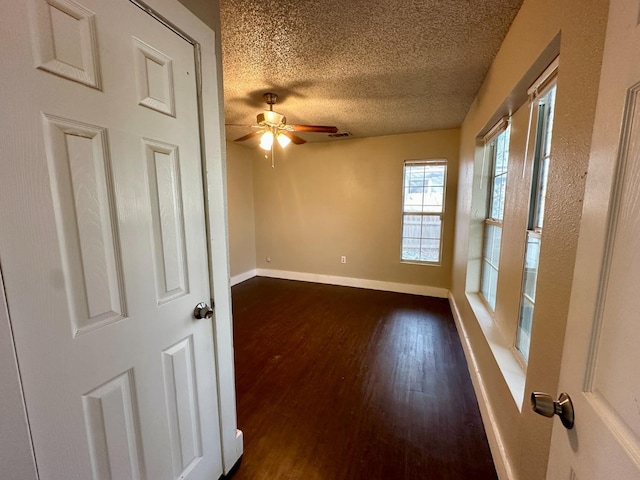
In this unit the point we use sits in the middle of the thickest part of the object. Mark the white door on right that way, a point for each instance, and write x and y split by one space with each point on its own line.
601 359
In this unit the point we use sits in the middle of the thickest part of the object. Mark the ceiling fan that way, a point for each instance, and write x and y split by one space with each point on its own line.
273 126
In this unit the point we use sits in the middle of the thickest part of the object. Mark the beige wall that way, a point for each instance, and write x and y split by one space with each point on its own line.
581 26
325 200
206 10
242 235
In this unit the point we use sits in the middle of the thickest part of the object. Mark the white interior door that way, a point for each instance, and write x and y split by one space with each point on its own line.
103 242
601 354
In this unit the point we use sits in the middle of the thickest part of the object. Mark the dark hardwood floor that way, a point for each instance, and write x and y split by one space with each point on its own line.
345 383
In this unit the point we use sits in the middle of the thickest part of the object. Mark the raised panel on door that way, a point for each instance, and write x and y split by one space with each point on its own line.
113 430
154 75
165 192
82 188
65 40
182 406
614 348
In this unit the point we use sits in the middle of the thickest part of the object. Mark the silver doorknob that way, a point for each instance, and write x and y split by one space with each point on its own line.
202 310
544 405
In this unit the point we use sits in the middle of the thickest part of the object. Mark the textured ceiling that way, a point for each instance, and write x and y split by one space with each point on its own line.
369 67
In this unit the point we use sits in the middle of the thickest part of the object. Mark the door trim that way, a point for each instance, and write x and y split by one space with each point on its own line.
215 198
211 121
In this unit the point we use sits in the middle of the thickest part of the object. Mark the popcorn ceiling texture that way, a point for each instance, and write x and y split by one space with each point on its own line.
370 67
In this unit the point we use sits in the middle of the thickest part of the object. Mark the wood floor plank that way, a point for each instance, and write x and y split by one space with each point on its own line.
345 383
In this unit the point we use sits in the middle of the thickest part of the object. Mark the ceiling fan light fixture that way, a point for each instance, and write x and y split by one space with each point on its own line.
283 140
271 118
273 126
266 141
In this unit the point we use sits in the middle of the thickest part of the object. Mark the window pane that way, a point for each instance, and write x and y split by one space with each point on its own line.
414 176
532 255
435 175
542 193
486 280
527 305
411 226
496 233
430 250
497 199
424 188
523 339
546 115
489 284
500 160
411 254
432 199
491 259
492 241
502 153
421 238
431 226
413 199
550 107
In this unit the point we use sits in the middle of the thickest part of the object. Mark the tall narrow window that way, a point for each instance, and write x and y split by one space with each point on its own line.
543 110
423 210
497 157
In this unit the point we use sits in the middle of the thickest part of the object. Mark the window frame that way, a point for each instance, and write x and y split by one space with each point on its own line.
539 157
490 144
440 215
538 93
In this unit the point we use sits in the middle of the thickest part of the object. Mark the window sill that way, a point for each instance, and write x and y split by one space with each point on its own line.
511 367
416 262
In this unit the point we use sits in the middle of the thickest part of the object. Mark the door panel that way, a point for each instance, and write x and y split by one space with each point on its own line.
113 431
64 40
103 243
614 350
182 403
82 190
154 73
600 359
163 176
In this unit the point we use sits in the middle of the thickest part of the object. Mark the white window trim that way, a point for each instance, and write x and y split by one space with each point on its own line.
508 358
434 162
544 81
501 126
511 366
543 84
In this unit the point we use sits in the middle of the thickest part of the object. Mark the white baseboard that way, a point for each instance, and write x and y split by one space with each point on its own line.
496 443
356 282
241 277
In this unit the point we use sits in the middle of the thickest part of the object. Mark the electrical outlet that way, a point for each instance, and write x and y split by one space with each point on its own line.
343 259
268 258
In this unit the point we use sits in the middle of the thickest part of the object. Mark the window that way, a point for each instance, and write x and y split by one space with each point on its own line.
423 210
543 108
497 153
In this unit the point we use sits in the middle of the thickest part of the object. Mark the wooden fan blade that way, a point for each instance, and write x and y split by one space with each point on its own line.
243 125
314 128
247 136
294 138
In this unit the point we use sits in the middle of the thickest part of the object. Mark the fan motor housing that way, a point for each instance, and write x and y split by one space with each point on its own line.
271 118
